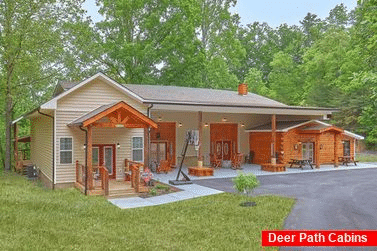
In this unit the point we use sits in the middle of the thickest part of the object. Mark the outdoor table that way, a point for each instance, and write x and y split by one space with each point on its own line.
301 163
347 159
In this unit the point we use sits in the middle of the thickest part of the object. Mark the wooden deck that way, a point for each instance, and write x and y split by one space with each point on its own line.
116 189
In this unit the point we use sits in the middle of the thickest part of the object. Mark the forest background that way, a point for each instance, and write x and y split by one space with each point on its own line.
329 62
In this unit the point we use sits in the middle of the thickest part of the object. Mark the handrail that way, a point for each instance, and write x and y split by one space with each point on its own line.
104 173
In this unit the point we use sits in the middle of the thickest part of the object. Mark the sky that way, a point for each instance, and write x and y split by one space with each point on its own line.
273 12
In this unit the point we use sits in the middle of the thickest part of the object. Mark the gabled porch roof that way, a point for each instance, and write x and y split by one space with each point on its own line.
118 114
315 126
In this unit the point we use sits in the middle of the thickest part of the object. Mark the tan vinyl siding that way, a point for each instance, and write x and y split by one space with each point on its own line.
94 94
41 144
78 103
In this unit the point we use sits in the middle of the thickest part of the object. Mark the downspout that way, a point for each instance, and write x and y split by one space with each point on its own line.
53 146
86 159
149 132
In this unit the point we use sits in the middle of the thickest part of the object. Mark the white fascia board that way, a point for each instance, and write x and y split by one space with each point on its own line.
353 135
230 109
52 104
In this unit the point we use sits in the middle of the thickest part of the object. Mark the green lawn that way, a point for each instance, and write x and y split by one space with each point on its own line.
35 218
366 157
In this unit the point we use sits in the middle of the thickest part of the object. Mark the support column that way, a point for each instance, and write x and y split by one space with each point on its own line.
89 161
273 141
15 137
200 127
146 147
317 151
336 143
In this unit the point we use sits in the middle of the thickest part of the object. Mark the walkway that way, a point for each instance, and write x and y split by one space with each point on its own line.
195 190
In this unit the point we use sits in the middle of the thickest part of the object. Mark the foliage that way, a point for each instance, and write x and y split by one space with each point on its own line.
35 218
245 183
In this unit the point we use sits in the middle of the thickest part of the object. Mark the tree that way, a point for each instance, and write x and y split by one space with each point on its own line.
32 52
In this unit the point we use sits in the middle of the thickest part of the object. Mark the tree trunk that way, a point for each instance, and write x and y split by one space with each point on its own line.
8 131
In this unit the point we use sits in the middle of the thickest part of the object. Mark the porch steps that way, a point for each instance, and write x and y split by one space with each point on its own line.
116 193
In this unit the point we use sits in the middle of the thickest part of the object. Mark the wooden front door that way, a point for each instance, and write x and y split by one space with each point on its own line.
158 152
308 151
224 149
224 138
104 155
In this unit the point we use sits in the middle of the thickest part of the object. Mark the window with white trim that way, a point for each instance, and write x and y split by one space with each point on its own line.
65 150
137 149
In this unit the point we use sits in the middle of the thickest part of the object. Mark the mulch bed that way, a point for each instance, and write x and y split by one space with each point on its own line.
159 189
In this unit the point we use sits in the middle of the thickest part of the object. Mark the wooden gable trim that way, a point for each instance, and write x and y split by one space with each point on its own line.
121 105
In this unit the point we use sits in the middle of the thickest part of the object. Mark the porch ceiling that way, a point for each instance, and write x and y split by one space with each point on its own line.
112 115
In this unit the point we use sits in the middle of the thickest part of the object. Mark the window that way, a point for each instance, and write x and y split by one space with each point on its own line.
346 148
65 150
137 149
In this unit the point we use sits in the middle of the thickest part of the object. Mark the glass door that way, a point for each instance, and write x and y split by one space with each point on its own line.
108 159
308 151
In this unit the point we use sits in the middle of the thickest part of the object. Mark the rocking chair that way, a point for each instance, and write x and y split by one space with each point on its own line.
215 162
237 161
164 166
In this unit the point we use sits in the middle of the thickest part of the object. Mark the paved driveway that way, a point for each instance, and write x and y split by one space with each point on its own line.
341 199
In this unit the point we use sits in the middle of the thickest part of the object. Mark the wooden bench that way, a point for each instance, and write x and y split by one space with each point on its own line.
200 171
273 167
347 159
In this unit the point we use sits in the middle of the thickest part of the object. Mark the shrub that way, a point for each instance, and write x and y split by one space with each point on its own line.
153 192
245 183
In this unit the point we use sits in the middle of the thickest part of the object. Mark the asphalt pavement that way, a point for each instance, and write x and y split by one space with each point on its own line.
340 199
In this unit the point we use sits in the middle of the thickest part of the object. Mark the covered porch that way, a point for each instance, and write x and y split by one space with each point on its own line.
99 173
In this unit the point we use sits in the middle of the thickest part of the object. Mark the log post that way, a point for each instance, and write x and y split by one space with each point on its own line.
336 150
317 151
273 141
200 127
90 154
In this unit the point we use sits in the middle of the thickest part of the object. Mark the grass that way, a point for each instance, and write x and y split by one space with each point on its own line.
35 218
366 157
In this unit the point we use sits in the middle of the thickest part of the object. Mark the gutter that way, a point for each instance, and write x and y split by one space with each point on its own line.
53 145
240 106
86 159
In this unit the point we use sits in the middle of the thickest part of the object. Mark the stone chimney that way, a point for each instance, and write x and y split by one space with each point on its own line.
242 89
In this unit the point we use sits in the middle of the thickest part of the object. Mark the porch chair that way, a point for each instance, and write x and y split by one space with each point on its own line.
164 166
215 162
237 161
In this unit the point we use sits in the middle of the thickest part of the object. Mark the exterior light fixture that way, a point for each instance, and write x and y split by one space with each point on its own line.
224 120
119 125
295 146
84 146
242 125
159 119
206 125
118 145
180 125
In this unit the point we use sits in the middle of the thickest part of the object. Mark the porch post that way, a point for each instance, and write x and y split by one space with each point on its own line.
273 131
15 134
317 150
200 127
89 161
146 147
336 150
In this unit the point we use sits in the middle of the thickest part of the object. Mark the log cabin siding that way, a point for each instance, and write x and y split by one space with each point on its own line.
260 144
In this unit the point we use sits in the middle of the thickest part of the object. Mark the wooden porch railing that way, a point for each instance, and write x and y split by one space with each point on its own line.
80 173
104 176
134 167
